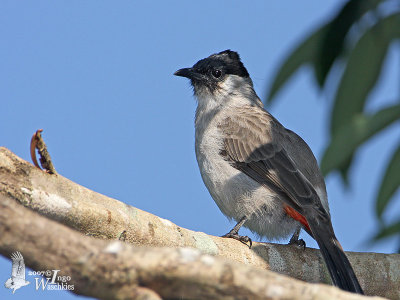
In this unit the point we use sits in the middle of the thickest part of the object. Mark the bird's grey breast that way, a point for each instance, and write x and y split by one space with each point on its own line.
217 173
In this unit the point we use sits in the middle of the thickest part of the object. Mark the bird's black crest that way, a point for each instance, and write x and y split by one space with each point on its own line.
229 61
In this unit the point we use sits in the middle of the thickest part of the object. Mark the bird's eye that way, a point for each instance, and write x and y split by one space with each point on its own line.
216 73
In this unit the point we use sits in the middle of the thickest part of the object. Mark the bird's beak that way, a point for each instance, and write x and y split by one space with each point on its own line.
185 72
191 73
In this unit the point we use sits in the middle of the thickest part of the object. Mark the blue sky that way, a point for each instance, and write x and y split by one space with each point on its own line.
97 77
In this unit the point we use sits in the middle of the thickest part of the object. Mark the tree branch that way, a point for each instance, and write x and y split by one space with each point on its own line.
96 215
116 270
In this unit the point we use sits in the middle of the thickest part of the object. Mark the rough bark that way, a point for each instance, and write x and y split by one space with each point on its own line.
116 270
96 215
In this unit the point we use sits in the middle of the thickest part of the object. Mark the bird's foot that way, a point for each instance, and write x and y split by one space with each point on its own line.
241 238
297 242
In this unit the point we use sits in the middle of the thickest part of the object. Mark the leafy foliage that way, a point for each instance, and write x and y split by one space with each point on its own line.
334 39
358 130
390 183
306 53
363 55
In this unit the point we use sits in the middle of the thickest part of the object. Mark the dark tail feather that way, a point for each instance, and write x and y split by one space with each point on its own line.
338 264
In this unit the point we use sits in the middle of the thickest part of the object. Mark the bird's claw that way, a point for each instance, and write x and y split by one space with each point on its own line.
241 238
298 242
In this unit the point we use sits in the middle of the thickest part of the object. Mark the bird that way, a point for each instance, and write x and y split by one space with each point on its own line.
259 173
17 279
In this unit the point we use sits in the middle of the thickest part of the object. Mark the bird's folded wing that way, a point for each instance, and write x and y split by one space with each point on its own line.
252 143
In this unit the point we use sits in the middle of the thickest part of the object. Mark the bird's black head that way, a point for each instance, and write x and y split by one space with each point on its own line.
210 71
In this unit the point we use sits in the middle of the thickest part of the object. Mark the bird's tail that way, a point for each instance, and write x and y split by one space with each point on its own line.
338 264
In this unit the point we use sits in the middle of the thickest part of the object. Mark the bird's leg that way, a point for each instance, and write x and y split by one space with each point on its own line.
294 240
234 233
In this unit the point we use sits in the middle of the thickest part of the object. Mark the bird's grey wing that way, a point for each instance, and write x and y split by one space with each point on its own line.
253 145
18 265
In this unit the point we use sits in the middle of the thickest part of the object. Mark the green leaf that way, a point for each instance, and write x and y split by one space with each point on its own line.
362 70
304 54
387 231
333 42
390 183
311 51
346 141
344 171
